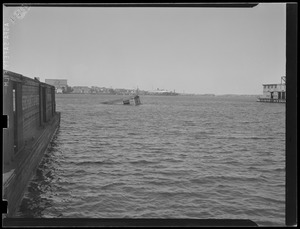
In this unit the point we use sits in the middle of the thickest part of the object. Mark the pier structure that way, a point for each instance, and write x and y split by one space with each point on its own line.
274 93
32 121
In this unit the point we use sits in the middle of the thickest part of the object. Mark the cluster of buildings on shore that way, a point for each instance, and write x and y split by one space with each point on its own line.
271 92
61 86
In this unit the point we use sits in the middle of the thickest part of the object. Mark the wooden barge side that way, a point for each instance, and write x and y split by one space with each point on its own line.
32 122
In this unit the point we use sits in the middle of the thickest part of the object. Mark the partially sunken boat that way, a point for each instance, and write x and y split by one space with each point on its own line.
274 93
126 101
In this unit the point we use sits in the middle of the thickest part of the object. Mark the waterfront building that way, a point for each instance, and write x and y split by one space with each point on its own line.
81 90
274 92
161 92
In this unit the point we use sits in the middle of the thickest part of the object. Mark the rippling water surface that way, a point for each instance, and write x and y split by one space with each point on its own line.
171 157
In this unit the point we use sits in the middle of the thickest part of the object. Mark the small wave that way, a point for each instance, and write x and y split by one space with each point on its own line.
269 199
201 136
110 162
157 182
206 179
107 186
156 149
173 172
172 193
279 169
80 171
188 123
133 133
239 137
258 137
267 169
143 162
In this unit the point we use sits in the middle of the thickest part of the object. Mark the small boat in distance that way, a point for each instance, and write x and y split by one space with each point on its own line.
136 100
126 101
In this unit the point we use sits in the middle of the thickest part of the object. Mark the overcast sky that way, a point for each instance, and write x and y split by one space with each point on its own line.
191 50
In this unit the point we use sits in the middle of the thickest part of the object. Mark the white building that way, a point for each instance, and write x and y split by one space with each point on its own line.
274 92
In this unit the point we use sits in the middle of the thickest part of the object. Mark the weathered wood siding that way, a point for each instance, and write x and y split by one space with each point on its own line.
32 122
26 166
31 110
29 105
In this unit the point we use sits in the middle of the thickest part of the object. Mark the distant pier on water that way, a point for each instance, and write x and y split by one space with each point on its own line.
274 93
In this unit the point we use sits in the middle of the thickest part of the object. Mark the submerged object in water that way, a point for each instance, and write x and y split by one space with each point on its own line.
126 101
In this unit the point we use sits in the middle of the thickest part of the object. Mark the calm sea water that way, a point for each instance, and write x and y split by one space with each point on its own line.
171 157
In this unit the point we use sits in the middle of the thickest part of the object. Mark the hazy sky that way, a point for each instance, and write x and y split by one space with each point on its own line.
191 50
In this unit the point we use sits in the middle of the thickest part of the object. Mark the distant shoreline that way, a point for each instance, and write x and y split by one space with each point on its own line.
245 95
179 94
